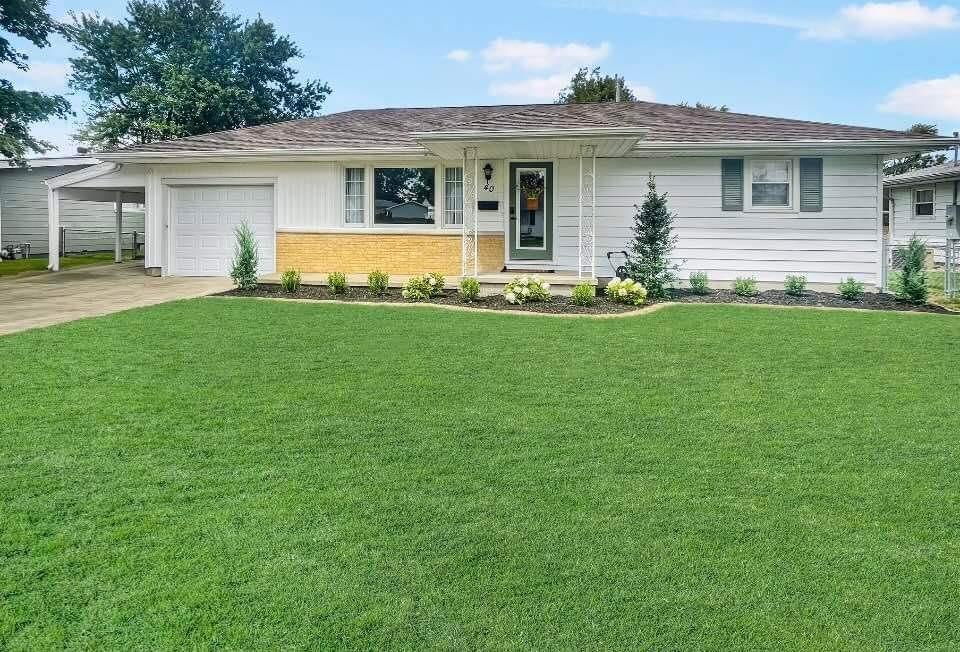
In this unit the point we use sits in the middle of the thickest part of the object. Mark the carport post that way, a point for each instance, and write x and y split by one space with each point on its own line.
53 229
117 245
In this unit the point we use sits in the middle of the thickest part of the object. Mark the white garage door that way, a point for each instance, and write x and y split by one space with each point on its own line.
204 218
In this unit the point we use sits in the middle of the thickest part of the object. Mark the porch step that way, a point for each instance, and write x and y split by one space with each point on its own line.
529 270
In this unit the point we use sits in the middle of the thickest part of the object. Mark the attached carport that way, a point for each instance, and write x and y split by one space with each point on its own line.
106 182
189 221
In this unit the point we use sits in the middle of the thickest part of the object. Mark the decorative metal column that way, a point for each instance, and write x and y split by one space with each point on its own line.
587 223
471 171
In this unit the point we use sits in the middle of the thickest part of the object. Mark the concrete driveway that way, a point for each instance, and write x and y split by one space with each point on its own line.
56 297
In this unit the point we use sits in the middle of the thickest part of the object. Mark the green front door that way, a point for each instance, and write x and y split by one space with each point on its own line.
531 211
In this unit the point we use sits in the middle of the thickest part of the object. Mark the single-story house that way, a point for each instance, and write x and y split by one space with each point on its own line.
520 187
917 202
23 209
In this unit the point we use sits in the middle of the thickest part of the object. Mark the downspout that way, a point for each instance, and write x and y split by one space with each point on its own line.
956 156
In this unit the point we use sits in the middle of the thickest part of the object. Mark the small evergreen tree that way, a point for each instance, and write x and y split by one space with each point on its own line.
912 284
653 242
246 258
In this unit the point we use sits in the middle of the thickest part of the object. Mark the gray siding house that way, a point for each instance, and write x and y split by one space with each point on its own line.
90 226
917 202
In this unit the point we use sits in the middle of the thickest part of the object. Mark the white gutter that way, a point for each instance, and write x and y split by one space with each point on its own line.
941 175
341 153
888 144
85 174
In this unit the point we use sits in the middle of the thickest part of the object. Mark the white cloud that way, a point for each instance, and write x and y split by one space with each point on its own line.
873 20
459 55
687 10
886 21
930 98
505 54
641 92
48 74
537 89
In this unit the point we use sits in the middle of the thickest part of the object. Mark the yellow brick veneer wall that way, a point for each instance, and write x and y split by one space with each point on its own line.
399 253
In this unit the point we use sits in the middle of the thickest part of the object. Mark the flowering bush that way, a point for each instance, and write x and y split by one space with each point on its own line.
469 289
526 288
626 291
794 285
583 294
337 283
421 288
745 286
378 282
700 283
290 280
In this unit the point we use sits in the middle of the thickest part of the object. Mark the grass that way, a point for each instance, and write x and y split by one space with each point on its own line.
250 474
38 264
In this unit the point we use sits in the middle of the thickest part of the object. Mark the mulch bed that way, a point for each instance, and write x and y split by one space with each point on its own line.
559 305
870 300
602 306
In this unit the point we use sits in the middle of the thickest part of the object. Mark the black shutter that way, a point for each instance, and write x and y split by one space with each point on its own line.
811 185
731 184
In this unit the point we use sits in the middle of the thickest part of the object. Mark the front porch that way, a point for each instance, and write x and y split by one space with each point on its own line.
540 153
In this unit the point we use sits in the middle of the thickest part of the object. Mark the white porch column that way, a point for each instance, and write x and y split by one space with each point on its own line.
117 244
470 261
53 229
587 215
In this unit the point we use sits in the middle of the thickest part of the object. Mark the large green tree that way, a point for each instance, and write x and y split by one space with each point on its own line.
184 67
915 161
27 19
592 86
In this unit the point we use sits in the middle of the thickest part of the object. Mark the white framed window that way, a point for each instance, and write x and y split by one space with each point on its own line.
453 196
354 196
770 183
404 196
923 202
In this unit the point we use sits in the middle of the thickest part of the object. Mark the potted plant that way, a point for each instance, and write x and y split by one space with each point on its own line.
531 187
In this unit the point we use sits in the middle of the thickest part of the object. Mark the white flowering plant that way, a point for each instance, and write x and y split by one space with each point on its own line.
421 288
526 288
626 291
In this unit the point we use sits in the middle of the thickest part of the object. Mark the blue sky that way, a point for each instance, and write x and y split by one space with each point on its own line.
883 64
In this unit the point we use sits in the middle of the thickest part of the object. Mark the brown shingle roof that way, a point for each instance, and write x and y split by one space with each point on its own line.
392 128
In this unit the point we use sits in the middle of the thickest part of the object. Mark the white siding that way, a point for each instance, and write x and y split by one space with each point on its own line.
840 241
932 229
23 214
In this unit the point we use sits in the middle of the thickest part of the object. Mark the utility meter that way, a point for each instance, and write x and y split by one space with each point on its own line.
953 222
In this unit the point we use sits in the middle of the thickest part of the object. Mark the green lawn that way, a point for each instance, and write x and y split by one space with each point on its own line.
250 474
39 263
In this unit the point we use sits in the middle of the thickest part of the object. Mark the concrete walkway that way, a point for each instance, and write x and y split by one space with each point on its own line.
56 297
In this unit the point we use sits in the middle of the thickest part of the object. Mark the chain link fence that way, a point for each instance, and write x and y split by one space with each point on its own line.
942 265
77 240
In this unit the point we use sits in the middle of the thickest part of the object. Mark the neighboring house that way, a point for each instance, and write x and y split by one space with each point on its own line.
23 209
918 201
409 212
537 187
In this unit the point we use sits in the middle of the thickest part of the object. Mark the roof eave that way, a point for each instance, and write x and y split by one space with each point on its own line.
263 155
948 175
824 146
